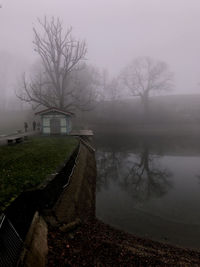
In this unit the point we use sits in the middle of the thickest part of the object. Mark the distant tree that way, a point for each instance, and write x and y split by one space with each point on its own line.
61 61
113 90
3 79
86 83
7 77
144 76
110 87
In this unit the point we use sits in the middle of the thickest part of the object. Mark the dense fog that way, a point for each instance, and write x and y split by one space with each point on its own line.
120 37
99 132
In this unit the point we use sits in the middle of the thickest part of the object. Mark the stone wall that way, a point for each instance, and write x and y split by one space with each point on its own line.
35 246
77 200
76 203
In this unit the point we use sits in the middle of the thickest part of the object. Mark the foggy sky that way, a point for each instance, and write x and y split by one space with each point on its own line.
116 31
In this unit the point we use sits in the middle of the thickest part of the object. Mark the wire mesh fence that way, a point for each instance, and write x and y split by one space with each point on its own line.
10 243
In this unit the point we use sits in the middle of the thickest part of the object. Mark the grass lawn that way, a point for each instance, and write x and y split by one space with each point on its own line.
25 165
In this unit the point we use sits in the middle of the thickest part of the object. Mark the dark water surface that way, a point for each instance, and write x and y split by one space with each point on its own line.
150 187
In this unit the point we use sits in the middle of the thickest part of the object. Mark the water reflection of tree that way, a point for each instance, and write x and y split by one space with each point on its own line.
108 167
139 175
145 178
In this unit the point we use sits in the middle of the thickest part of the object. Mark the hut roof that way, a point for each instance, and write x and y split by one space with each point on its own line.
54 109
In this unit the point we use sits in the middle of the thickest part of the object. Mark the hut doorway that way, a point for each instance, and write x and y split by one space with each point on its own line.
55 126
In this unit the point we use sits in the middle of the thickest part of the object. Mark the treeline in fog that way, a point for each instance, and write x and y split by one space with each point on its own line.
163 110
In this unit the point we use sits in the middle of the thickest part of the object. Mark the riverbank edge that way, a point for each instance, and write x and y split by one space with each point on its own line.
94 243
78 238
147 129
75 202
90 242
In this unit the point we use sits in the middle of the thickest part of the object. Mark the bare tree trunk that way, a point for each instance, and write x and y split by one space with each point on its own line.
145 103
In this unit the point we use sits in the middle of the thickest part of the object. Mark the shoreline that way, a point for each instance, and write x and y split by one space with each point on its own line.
78 238
94 243
90 242
154 130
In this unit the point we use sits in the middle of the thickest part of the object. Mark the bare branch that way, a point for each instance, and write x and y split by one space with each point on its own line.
60 56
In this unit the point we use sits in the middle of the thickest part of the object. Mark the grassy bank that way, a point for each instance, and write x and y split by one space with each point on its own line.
26 165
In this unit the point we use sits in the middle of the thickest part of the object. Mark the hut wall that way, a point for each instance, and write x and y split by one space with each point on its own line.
65 123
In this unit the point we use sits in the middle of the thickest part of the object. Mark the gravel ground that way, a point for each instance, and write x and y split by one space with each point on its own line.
94 243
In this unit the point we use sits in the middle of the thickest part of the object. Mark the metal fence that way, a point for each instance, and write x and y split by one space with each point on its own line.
10 243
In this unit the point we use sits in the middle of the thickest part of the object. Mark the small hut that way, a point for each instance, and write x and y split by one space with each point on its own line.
55 121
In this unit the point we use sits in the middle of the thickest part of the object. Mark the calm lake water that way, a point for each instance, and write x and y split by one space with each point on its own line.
150 187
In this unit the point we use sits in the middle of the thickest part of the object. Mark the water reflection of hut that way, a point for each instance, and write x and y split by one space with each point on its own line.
55 121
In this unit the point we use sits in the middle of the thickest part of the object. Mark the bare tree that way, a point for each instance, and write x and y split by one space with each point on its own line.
86 84
61 56
3 80
112 90
145 76
9 68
